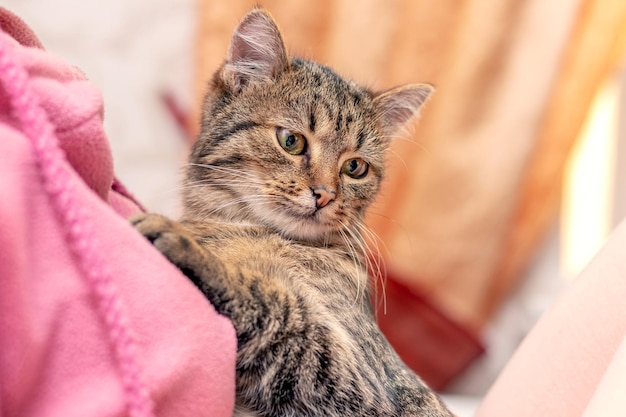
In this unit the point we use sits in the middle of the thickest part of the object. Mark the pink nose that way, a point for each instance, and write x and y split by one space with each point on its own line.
323 196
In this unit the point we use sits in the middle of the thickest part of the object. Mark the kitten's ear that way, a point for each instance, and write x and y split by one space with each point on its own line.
256 51
395 107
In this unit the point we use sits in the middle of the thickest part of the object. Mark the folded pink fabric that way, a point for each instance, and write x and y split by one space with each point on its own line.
573 363
93 320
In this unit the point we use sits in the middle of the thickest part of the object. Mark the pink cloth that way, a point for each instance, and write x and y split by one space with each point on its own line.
573 363
93 320
609 397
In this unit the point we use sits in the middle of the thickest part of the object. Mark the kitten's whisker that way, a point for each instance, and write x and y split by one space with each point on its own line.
355 256
327 239
405 135
395 223
371 259
232 215
229 180
378 259
373 256
391 151
367 254
374 238
351 253
225 170
210 183
248 199
420 146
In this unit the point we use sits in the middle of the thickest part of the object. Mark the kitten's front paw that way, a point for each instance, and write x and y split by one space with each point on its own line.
171 239
153 226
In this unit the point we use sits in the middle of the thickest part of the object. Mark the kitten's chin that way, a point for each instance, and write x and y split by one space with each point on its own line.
309 228
305 229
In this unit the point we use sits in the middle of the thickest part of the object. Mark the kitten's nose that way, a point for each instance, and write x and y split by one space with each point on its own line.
323 196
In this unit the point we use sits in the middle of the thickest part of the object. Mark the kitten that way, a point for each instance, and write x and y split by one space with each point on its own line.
289 157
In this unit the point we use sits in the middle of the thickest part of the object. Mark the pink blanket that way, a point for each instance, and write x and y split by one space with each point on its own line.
93 320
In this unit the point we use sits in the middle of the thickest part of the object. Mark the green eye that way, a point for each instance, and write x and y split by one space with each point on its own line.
292 142
355 168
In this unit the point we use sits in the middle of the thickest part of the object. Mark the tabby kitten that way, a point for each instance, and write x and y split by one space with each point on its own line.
289 157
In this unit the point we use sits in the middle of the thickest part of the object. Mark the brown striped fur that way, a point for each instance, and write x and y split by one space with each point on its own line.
276 240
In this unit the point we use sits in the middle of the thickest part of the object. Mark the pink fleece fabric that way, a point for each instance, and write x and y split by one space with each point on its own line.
93 320
573 363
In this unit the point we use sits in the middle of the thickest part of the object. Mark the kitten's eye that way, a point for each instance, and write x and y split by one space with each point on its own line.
355 168
292 142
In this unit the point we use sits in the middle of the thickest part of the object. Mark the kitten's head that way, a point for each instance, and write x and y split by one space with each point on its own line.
287 143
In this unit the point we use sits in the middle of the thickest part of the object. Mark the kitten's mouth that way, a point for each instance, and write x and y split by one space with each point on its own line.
296 221
310 217
319 215
305 224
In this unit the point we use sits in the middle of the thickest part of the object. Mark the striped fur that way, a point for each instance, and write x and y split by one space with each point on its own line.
291 274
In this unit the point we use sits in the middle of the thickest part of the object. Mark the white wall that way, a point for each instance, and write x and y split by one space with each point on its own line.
132 51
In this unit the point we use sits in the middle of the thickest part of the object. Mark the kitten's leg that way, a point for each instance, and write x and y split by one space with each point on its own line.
288 360
175 242
275 337
260 309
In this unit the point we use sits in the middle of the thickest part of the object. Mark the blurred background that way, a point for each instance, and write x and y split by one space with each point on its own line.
509 183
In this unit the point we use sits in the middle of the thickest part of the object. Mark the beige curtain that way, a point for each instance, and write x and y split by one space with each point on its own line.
475 184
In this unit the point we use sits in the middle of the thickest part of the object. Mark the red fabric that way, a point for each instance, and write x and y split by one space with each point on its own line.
432 344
